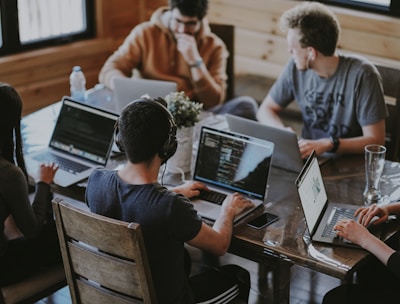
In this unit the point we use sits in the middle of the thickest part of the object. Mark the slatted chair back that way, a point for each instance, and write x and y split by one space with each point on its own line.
105 259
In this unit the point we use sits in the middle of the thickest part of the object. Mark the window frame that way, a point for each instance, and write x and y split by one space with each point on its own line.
10 37
393 10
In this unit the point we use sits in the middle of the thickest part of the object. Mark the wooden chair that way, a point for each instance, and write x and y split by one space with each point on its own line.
105 259
35 287
227 33
391 89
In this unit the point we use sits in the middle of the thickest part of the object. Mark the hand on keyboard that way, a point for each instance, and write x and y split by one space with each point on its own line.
190 189
238 202
47 172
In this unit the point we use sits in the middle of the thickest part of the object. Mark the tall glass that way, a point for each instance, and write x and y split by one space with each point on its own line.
374 163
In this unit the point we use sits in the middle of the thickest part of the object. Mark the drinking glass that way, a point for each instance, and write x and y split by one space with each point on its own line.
374 163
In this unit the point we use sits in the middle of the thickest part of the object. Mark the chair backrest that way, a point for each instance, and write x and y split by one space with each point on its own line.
227 33
105 260
391 90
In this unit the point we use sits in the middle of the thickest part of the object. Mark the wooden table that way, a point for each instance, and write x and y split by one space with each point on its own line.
281 244
285 242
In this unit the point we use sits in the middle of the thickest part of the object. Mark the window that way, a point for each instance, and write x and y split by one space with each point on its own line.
32 24
389 7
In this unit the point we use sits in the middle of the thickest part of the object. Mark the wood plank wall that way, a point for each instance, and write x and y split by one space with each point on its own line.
260 46
41 77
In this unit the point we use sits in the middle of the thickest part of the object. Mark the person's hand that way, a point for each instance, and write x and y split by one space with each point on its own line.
366 215
320 146
187 46
238 203
190 189
47 172
352 231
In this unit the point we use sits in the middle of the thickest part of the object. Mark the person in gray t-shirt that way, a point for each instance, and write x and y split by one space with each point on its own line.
340 96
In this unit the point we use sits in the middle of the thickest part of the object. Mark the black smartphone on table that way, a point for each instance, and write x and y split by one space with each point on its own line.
263 220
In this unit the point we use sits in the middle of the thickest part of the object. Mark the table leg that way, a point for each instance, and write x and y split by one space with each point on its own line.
281 282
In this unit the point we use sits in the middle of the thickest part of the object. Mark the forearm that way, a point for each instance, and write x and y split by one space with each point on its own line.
208 91
224 227
392 208
269 116
377 248
355 145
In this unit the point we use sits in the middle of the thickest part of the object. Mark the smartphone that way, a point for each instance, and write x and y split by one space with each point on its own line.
263 220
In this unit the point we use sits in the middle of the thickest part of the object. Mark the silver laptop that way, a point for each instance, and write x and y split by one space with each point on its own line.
320 214
229 162
129 89
81 141
286 152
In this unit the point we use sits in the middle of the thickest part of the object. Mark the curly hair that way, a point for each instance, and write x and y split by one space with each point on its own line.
318 26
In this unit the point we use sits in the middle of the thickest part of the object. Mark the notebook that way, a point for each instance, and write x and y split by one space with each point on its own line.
229 162
320 214
129 89
286 152
81 141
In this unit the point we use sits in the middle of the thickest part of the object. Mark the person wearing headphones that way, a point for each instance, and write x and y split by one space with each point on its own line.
146 132
340 96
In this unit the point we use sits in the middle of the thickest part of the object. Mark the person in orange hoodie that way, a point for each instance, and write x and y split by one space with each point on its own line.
177 45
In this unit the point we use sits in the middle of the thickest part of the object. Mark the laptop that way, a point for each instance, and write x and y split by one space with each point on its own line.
320 214
286 152
81 141
129 89
229 162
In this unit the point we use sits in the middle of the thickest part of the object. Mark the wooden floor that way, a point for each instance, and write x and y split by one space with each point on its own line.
307 287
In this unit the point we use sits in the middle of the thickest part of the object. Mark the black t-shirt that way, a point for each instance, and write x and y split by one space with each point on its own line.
167 219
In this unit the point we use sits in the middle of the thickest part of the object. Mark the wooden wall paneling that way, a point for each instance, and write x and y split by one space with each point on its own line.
371 35
152 5
42 77
257 45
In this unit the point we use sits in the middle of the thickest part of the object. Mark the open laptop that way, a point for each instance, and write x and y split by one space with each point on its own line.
229 162
129 89
81 141
320 214
286 152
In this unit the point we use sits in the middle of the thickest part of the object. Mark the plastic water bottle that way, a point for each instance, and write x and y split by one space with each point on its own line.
77 81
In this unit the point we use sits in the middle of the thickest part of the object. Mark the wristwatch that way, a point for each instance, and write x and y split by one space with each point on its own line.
197 63
336 143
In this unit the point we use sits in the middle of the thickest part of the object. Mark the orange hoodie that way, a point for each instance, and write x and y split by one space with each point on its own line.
151 49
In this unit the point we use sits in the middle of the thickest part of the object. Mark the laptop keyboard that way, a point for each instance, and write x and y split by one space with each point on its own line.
338 214
212 196
63 163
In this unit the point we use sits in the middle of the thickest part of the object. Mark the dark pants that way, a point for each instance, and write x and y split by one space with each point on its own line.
375 285
26 256
218 284
243 106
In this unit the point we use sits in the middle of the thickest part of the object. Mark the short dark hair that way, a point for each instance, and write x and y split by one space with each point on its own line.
318 26
191 8
143 129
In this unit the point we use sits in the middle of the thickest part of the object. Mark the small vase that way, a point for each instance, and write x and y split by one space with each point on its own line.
181 161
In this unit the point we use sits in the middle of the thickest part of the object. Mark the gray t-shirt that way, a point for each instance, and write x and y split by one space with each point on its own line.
340 105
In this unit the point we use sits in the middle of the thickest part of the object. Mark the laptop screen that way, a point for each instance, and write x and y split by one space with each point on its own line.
233 161
312 192
84 131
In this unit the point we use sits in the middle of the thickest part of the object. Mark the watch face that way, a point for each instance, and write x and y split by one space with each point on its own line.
335 141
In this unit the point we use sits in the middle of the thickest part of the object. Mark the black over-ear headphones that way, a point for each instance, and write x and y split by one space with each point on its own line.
169 147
